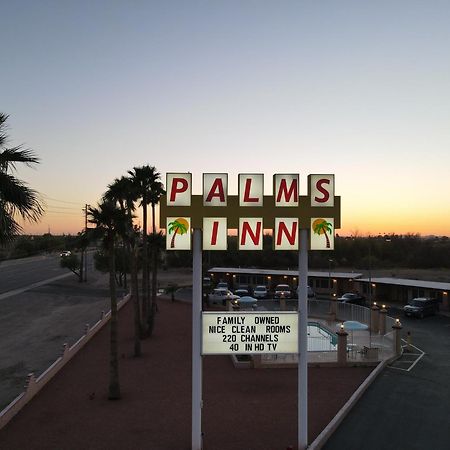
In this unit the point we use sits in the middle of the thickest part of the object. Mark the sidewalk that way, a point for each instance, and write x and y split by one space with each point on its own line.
243 409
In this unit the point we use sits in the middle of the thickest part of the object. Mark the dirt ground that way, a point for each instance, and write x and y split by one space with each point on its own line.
243 409
35 324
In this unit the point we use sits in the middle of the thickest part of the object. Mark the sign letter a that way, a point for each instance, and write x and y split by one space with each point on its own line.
215 186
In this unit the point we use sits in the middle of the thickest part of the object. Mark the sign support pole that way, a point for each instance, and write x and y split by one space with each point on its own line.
303 341
196 340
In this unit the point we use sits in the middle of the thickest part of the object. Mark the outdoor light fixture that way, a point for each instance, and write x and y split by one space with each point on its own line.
374 303
383 306
397 322
342 327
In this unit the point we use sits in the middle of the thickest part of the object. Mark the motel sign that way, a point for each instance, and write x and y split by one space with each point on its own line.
250 212
205 220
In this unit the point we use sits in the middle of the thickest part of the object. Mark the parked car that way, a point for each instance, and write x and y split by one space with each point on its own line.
222 285
247 300
260 292
282 291
65 253
421 307
221 296
241 292
352 298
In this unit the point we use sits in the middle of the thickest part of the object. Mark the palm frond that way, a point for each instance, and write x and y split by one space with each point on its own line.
10 156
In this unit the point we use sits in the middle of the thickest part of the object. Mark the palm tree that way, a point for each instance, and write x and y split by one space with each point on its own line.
321 226
122 191
157 190
144 178
15 196
176 227
110 222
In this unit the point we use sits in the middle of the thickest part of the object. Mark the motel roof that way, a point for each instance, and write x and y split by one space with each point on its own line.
408 282
281 272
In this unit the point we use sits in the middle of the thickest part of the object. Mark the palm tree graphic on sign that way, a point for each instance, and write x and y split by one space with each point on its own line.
178 226
321 226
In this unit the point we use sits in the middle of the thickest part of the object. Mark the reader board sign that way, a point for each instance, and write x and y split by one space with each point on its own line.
225 333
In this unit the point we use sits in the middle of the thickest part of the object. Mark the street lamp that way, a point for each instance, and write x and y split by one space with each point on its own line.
370 272
329 278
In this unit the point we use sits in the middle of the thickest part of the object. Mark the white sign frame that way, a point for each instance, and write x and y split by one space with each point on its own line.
249 332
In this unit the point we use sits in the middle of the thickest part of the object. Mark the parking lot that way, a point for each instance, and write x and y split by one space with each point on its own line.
407 407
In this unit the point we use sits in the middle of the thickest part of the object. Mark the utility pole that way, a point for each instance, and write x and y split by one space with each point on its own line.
84 254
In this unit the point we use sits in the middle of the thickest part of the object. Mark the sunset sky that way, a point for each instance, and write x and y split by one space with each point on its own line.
358 89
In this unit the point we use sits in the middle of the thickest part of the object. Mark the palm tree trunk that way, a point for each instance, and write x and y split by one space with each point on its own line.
114 386
153 306
145 297
136 306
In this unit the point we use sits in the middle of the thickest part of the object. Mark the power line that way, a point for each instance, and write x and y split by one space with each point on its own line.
47 211
65 207
62 201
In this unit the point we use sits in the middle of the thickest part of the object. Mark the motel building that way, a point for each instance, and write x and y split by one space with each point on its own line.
334 284
398 290
324 284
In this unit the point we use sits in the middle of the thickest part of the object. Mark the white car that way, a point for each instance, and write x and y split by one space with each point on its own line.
65 253
260 292
247 300
282 291
221 296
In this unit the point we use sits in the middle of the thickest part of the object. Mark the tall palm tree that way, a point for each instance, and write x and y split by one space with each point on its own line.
144 178
122 191
110 223
157 190
15 196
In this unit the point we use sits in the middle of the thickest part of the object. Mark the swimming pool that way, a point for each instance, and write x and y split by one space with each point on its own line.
320 339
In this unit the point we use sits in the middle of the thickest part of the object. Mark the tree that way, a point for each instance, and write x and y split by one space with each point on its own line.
157 242
123 191
110 223
144 178
15 196
73 263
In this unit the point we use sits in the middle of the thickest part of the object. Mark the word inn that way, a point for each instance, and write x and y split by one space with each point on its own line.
250 212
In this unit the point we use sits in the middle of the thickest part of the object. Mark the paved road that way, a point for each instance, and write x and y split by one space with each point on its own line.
405 409
36 322
20 273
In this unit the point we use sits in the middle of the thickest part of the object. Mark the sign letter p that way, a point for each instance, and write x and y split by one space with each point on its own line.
179 188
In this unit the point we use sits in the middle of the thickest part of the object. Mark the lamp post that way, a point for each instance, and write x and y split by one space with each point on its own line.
370 272
329 278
